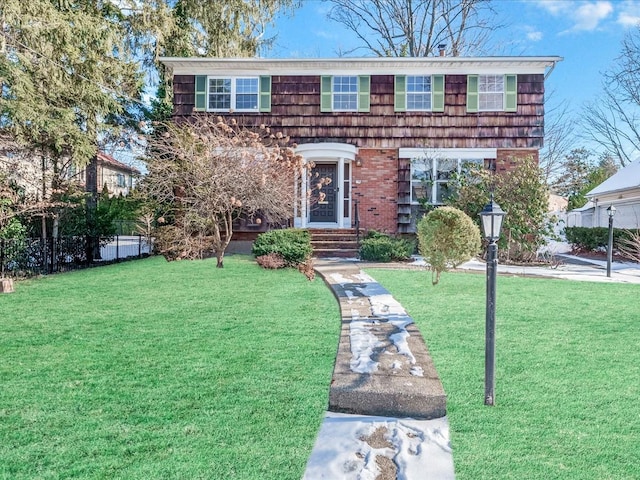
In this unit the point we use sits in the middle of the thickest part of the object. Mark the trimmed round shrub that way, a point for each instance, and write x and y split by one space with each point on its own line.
292 244
447 237
379 247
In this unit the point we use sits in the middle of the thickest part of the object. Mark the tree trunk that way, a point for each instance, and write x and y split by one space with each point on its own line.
220 258
6 285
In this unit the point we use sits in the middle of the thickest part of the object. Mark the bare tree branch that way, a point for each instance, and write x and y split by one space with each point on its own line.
416 28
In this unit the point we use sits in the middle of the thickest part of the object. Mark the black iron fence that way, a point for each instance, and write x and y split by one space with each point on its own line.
42 256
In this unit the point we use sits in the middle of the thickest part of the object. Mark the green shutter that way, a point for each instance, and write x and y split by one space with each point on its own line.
511 93
364 93
325 94
472 93
265 94
201 93
437 89
400 102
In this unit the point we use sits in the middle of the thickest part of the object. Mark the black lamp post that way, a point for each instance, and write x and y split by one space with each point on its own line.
611 211
492 216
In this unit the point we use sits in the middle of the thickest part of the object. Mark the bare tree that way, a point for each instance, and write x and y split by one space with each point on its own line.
613 121
205 172
416 28
559 139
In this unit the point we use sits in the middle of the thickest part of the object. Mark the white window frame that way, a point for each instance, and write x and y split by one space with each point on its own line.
335 93
483 94
234 94
412 94
461 155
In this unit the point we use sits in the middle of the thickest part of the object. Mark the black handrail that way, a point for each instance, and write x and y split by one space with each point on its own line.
356 217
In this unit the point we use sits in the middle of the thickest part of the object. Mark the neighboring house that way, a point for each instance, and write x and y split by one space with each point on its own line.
621 190
388 131
118 177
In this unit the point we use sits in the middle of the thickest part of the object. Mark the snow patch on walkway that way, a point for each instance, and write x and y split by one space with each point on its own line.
419 448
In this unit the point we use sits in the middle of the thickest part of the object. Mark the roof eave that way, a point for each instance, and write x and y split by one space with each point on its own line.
381 66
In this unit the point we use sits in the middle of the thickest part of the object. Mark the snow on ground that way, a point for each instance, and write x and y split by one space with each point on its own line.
384 309
347 447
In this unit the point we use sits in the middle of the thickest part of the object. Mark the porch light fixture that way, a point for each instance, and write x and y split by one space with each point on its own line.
358 162
492 216
611 211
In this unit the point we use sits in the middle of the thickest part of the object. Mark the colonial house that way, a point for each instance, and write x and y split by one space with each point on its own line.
389 132
117 177
622 191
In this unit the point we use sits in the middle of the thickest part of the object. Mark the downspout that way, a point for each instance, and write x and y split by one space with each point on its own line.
546 75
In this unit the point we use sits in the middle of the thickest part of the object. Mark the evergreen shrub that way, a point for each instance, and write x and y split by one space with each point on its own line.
594 238
447 237
292 244
380 247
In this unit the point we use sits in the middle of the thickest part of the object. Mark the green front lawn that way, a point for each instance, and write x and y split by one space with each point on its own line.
148 370
567 373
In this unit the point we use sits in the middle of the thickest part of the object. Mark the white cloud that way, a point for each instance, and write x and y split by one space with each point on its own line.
584 16
534 35
589 15
629 14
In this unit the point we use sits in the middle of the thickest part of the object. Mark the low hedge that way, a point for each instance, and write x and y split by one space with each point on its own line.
292 244
380 247
593 238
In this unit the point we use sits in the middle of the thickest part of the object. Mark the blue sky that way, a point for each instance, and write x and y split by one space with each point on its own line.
587 34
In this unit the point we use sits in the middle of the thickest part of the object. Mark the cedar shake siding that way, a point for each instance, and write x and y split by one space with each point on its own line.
295 111
372 149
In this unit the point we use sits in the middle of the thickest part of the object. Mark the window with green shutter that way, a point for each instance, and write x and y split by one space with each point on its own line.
240 94
200 93
419 93
325 94
492 93
400 93
345 93
364 93
438 93
511 93
265 94
472 93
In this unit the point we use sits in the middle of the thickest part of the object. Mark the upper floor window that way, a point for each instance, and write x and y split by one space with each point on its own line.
224 94
492 93
233 94
419 93
345 93
342 93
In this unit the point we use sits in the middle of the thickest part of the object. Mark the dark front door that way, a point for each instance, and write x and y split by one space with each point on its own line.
325 210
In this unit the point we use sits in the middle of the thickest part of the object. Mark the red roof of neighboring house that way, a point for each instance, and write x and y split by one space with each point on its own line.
113 163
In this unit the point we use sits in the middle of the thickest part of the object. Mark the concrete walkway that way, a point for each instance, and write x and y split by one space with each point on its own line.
387 407
381 436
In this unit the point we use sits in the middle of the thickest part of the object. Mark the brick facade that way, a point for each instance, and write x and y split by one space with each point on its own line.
375 186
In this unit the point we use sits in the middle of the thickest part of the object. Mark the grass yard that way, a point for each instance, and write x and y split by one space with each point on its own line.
148 370
567 373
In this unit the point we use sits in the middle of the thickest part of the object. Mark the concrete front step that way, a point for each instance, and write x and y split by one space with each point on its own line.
383 366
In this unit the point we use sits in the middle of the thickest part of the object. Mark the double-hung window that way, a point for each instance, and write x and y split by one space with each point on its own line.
239 94
492 93
419 93
224 94
345 93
